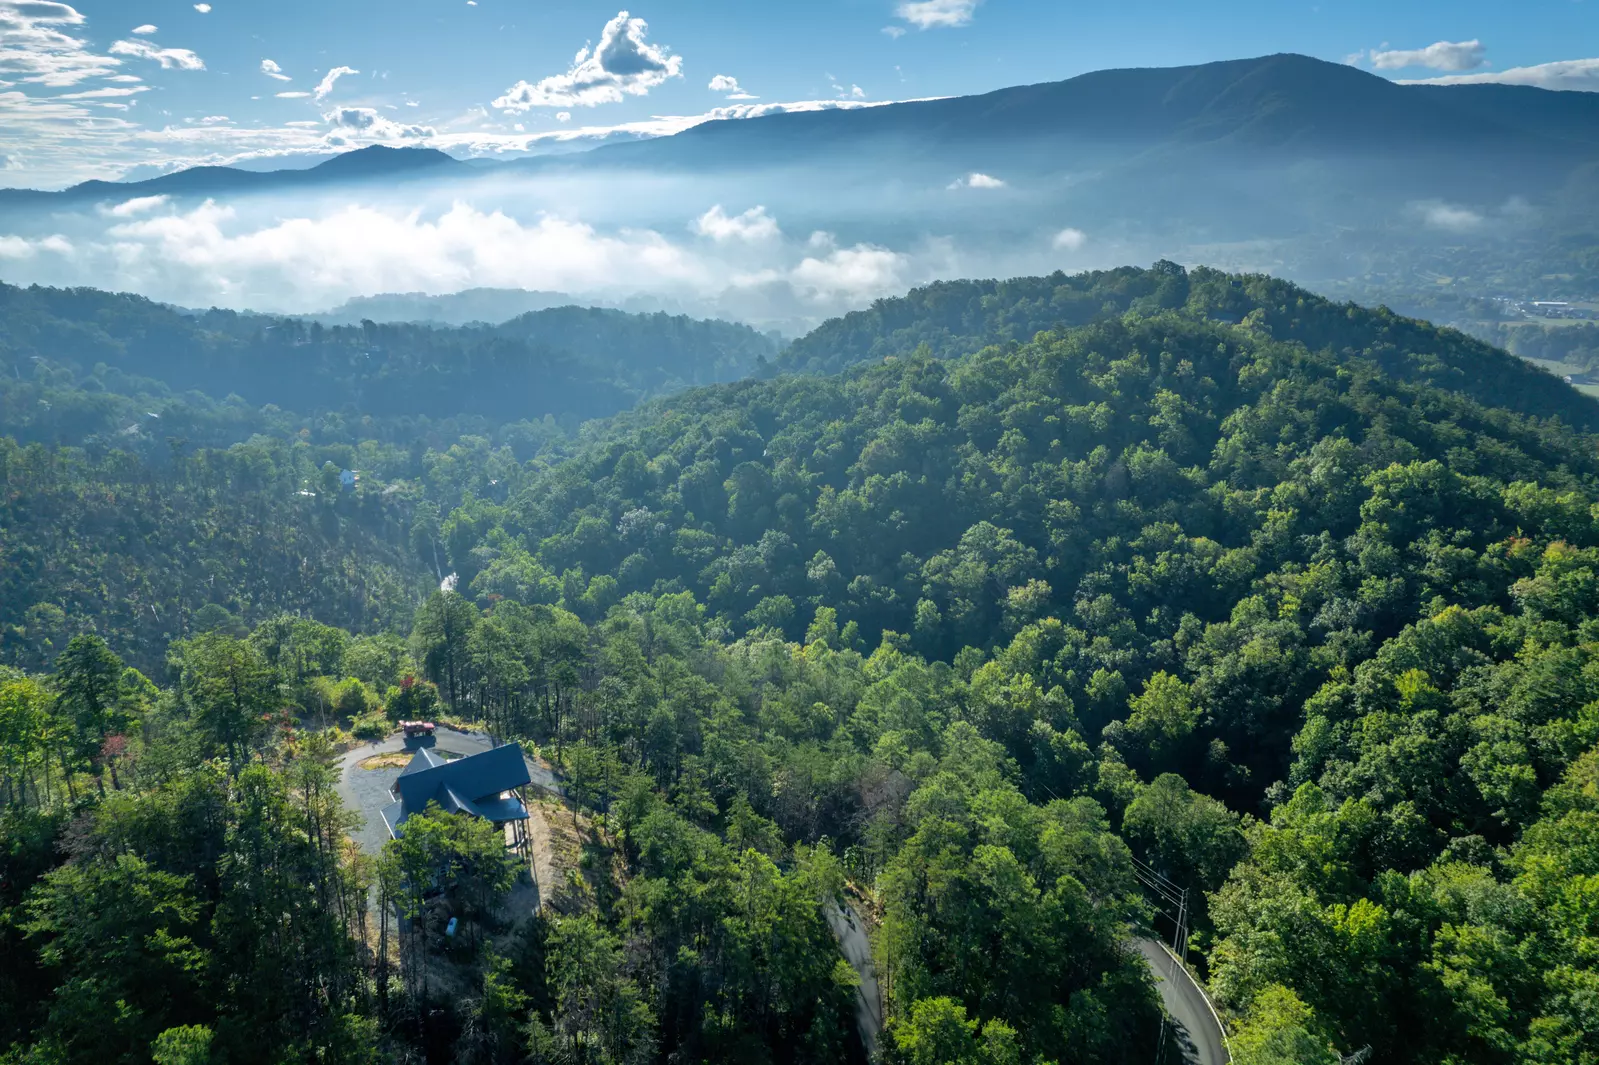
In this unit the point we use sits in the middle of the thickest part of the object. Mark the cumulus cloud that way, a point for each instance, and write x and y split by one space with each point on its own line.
975 180
272 70
146 29
860 271
752 226
623 64
1444 55
15 248
325 86
370 125
37 44
1581 75
931 14
204 9
169 58
1069 239
729 84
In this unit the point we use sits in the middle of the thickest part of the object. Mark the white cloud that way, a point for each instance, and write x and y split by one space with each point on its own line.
729 84
860 272
14 248
563 116
1444 55
895 32
1070 239
975 180
96 94
36 45
204 9
622 64
291 95
1581 75
369 125
1449 217
169 58
207 254
930 14
143 30
752 226
136 206
325 86
272 70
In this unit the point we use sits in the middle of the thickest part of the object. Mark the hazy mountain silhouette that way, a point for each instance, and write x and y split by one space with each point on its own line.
376 162
1280 108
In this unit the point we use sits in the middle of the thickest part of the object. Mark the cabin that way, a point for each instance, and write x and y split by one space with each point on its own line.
487 784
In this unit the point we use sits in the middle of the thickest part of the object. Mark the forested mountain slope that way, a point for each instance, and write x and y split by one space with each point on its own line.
144 553
958 317
1165 545
1306 626
570 362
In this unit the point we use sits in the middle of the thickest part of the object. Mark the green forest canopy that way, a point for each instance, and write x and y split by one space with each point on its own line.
1292 601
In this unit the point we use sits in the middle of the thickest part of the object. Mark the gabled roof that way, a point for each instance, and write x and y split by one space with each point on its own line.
423 759
471 785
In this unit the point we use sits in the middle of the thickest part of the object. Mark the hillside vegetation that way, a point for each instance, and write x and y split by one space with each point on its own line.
1292 602
958 317
571 362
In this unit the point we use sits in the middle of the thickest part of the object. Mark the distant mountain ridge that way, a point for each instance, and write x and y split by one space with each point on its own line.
1283 105
361 164
488 305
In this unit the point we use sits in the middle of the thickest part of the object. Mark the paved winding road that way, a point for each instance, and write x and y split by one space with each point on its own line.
1197 1032
850 931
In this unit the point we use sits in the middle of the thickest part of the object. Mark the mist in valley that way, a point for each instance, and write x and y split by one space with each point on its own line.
780 246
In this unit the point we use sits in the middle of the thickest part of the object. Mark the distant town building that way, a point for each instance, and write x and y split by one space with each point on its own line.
347 478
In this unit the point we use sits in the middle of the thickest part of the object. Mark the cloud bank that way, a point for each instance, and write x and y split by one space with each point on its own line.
1576 75
270 257
1444 55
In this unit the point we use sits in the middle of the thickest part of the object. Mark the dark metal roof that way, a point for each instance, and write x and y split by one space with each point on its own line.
471 785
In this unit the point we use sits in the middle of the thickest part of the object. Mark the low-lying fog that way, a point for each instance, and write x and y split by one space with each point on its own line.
772 249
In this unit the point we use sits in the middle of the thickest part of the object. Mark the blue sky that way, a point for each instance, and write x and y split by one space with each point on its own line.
103 88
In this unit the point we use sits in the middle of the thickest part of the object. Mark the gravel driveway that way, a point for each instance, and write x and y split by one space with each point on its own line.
366 791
